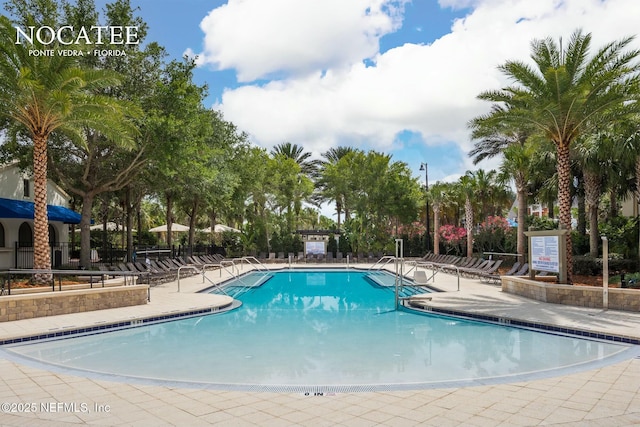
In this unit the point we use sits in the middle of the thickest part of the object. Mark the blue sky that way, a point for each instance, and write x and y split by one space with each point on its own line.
396 76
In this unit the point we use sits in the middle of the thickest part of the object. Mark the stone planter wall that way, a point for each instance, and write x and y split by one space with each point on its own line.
18 307
580 296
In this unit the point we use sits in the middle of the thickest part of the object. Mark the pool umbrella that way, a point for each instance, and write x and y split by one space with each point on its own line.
174 227
221 228
111 226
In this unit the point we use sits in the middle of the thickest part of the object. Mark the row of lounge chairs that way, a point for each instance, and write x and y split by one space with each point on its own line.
322 258
154 272
477 268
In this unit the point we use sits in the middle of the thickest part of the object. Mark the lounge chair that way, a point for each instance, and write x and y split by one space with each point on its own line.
494 277
523 271
488 266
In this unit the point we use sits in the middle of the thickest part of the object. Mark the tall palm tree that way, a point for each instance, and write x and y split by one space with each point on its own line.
468 186
517 165
297 153
40 95
594 156
565 96
331 179
438 196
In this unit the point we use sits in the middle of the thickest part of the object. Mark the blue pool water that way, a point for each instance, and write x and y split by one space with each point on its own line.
321 328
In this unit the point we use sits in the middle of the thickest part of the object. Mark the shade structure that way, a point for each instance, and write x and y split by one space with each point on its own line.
174 227
10 208
221 228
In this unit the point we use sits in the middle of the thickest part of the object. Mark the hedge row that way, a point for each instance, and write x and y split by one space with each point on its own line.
588 266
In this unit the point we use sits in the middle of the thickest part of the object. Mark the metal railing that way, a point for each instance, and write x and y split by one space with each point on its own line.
251 260
439 268
387 259
96 277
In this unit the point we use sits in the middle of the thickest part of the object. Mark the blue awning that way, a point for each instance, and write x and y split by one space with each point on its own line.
22 209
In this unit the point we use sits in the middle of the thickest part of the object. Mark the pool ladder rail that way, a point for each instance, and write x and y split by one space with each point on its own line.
382 262
235 273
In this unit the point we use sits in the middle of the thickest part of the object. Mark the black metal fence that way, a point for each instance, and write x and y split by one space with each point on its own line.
67 255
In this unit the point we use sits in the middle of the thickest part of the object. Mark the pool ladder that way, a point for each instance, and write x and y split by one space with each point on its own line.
235 273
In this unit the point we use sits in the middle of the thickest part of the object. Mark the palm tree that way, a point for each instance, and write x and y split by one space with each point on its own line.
297 153
468 186
438 196
567 96
594 156
517 165
40 95
331 180
495 139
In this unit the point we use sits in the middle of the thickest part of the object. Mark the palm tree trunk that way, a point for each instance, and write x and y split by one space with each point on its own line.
85 231
41 255
522 210
582 215
592 194
613 197
564 200
468 214
436 228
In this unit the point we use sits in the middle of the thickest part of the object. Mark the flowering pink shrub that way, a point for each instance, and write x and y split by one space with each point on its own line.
453 238
494 223
495 235
416 228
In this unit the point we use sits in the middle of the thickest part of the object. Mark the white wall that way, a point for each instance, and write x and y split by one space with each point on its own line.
12 187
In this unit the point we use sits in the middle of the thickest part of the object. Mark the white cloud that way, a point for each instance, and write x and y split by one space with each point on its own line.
430 89
259 38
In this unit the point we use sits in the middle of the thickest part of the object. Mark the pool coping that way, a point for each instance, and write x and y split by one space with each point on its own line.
112 326
511 321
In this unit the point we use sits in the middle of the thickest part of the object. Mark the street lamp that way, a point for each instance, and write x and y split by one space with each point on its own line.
425 167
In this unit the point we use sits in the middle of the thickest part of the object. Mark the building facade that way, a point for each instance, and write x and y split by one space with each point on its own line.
16 219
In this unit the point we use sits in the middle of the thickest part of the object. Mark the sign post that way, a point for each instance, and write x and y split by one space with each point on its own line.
548 252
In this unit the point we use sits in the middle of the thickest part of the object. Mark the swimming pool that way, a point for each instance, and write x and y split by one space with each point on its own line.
329 330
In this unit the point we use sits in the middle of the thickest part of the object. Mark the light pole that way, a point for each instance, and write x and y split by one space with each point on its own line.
425 167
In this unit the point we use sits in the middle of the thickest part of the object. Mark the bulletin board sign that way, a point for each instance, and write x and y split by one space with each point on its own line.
545 253
548 252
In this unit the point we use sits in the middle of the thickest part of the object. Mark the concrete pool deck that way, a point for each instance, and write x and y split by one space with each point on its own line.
608 396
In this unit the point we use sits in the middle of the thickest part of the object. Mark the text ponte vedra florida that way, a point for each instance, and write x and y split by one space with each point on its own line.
98 36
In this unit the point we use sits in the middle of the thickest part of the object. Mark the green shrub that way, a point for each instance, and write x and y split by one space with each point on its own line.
622 234
588 266
580 243
541 223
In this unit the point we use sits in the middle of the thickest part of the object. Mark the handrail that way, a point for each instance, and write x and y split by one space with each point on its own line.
389 258
440 268
60 273
223 267
215 285
249 261
501 254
